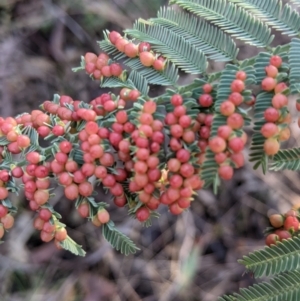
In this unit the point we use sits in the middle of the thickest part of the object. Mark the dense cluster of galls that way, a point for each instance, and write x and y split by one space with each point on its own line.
284 226
230 140
101 66
277 116
142 158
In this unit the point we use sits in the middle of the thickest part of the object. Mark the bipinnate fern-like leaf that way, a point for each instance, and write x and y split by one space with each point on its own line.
286 159
284 287
281 17
232 19
294 63
174 47
118 240
284 256
167 77
213 42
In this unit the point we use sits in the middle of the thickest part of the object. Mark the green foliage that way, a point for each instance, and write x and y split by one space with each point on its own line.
118 240
294 63
231 18
70 245
274 13
282 287
284 256
286 159
213 42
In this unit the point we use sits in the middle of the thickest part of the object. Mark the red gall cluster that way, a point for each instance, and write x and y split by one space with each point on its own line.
60 120
204 120
6 219
146 142
141 50
183 170
230 141
284 226
277 116
100 66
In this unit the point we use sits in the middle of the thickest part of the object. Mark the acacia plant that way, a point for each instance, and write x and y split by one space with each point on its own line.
147 151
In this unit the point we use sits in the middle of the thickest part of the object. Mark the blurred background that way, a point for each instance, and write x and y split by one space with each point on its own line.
190 257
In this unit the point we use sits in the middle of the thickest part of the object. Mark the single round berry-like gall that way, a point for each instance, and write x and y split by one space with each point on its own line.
238 159
173 165
207 88
84 210
71 192
276 220
115 69
120 201
205 100
224 131
90 57
271 146
3 210
7 221
235 121
38 223
236 144
284 134
106 71
17 172
291 223
236 98
175 209
131 50
276 61
268 84
225 172
90 68
241 75
144 46
227 108
61 234
220 158
279 101
237 86
142 214
114 36
3 193
280 87
217 144
147 58
158 65
120 44
183 155
271 115
176 100
271 71
103 216
272 239
269 130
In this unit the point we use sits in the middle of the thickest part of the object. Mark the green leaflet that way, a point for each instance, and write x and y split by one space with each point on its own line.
213 42
232 19
281 17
